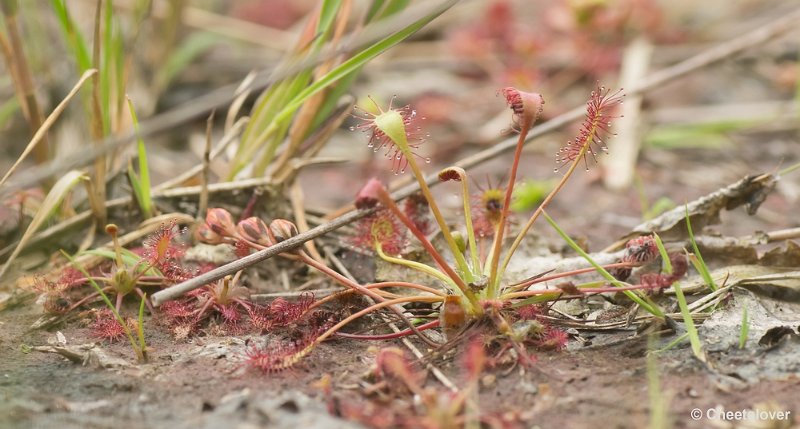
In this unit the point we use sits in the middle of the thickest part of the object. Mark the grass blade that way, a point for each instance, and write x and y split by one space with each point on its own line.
76 40
700 264
381 9
359 60
106 66
691 330
667 264
744 331
194 45
141 183
140 328
7 110
674 343
295 100
326 16
51 202
650 307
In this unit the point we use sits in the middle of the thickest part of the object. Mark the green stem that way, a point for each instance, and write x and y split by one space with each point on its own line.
473 246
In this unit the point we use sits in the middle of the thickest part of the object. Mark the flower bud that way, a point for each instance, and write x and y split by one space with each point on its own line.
221 222
282 229
255 230
205 234
123 281
369 195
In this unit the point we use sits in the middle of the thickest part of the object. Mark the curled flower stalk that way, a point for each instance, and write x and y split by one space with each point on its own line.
527 107
373 193
459 175
593 131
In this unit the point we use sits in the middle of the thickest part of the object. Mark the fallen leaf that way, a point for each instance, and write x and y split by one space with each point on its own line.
749 191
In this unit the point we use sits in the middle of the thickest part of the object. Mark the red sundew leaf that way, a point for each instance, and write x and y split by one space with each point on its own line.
640 249
594 129
260 318
282 312
530 312
106 326
176 310
274 357
241 248
381 228
553 339
158 246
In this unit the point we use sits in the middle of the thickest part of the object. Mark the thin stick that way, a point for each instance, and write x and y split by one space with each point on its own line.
97 190
784 234
703 59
